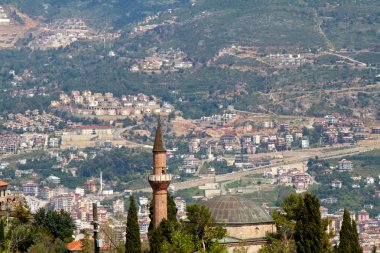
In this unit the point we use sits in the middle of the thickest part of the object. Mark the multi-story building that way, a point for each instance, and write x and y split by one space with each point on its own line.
180 203
345 165
118 206
63 202
30 189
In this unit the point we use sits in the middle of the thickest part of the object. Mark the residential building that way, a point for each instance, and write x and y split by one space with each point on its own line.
345 165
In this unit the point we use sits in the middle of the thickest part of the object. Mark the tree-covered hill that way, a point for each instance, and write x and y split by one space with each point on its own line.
201 28
103 14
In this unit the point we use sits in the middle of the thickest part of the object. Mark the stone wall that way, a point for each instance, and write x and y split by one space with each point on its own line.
250 231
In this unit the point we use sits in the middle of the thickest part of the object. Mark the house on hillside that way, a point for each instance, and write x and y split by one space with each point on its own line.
345 165
336 184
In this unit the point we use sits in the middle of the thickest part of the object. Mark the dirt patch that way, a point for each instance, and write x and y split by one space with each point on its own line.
182 126
12 32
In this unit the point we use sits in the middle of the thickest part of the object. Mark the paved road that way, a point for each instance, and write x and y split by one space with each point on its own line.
290 158
348 58
117 134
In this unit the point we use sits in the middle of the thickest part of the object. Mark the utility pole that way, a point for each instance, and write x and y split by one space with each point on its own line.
96 227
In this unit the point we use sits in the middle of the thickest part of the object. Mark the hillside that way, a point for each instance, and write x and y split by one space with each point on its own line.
282 56
102 14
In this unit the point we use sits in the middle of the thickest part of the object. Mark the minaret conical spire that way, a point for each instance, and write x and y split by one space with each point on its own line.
158 141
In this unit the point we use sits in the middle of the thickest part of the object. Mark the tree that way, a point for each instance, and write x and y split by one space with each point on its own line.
340 137
348 236
299 227
155 240
20 237
44 242
172 211
309 231
202 227
182 243
58 224
22 214
2 234
374 249
345 234
132 243
356 248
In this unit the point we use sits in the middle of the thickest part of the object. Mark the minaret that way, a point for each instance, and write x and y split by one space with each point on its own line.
159 180
101 183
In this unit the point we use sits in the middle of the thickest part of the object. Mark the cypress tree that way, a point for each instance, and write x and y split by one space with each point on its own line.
309 231
356 248
2 234
172 211
345 234
156 239
132 243
151 216
348 236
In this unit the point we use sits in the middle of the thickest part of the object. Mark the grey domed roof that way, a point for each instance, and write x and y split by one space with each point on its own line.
230 209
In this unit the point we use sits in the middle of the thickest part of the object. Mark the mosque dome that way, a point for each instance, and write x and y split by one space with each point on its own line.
234 210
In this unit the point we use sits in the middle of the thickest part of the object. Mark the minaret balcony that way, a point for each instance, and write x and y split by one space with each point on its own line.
160 178
160 182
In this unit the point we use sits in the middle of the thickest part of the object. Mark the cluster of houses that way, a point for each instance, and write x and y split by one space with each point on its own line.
26 92
294 177
285 60
269 136
338 128
32 121
60 33
163 60
79 203
247 143
99 104
145 25
148 24
368 181
15 143
276 60
63 32
368 228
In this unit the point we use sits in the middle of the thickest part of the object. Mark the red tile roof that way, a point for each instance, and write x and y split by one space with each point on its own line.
78 246
75 246
2 183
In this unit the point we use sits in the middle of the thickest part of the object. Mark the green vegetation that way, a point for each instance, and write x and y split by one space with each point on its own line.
310 231
189 193
17 18
299 227
58 224
220 167
283 25
42 165
199 233
115 14
49 232
120 163
348 24
132 242
365 165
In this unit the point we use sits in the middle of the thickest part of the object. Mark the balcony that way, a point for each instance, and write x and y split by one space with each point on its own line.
160 178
